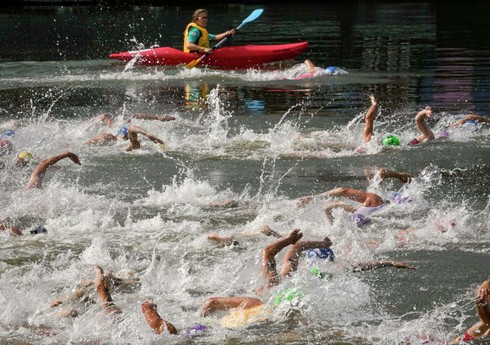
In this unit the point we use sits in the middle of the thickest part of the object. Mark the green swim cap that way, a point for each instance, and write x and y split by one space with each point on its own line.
317 273
286 295
391 140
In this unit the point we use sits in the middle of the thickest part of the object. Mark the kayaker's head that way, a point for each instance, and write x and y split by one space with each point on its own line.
200 17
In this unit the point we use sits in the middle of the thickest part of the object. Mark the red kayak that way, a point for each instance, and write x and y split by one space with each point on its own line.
231 57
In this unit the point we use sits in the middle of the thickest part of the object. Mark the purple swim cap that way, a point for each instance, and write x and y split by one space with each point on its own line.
196 330
400 199
360 220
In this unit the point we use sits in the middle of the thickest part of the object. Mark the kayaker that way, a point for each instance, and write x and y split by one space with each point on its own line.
197 37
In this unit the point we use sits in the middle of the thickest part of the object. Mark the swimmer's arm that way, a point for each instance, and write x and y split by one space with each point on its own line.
311 67
374 264
103 292
470 117
142 131
482 303
425 132
225 303
162 118
38 174
305 200
154 320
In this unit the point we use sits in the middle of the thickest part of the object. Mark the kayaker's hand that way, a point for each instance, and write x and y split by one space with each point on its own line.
207 50
231 32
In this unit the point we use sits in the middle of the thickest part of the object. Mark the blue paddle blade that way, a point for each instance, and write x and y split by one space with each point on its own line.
254 15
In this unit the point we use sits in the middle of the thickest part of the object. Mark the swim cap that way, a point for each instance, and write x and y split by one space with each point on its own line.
39 230
7 134
25 155
123 131
472 124
397 198
391 140
321 253
315 271
360 220
196 330
331 70
443 134
287 295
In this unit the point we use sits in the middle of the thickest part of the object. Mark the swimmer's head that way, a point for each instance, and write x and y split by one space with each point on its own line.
321 253
6 146
391 140
123 131
23 159
196 330
360 220
7 134
291 295
331 70
39 230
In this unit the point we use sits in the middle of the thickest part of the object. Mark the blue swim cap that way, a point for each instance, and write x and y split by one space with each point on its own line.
196 330
472 124
7 134
123 131
321 253
360 220
331 70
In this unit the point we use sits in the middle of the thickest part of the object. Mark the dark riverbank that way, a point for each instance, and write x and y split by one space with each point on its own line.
119 3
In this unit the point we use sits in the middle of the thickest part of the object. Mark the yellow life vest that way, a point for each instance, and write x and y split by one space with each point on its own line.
203 40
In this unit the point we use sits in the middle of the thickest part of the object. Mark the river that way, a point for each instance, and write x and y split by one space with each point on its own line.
258 137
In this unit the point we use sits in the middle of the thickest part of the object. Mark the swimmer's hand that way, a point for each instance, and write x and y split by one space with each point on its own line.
400 264
302 202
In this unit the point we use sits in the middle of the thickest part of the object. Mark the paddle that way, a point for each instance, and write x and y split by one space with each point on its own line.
254 15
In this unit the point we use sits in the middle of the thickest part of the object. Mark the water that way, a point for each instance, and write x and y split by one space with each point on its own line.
258 137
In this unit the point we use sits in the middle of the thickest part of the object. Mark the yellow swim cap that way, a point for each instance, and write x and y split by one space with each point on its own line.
26 155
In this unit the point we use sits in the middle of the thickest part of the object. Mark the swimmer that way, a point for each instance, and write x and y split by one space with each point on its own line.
122 133
103 286
482 327
269 271
319 249
314 71
470 119
37 176
134 143
370 203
